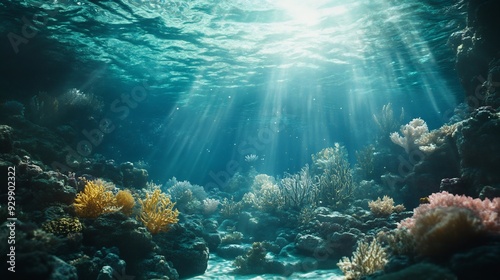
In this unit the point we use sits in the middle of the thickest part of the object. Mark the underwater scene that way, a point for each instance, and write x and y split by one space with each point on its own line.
250 139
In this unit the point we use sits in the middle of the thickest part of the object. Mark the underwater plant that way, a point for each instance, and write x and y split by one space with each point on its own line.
94 200
253 261
386 122
229 208
384 207
449 222
367 259
412 135
298 190
365 162
62 226
333 178
442 231
486 210
125 201
210 205
157 213
265 194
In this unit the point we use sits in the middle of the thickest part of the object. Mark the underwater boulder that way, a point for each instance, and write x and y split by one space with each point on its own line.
6 143
185 247
477 263
117 230
479 148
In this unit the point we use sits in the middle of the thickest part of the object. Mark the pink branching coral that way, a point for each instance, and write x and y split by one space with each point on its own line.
486 210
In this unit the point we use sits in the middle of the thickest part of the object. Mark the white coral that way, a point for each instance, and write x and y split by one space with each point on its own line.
411 132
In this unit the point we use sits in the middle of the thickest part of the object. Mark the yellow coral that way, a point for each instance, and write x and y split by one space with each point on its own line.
367 259
157 212
63 226
125 200
94 200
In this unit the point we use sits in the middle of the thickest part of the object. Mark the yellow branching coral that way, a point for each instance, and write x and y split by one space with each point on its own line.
367 259
157 212
126 201
94 200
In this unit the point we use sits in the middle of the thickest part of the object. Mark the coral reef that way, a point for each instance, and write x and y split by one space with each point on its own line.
253 261
157 212
412 133
384 207
125 201
486 210
63 226
441 231
367 259
297 190
333 176
95 200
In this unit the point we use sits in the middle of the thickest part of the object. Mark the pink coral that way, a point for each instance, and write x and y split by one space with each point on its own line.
486 210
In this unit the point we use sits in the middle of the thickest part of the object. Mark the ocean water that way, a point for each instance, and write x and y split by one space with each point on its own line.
218 80
203 90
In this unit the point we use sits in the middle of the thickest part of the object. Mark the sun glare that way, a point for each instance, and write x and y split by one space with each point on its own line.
309 13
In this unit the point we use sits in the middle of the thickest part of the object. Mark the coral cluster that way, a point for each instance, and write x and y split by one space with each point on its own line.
157 212
441 231
266 194
333 176
450 222
95 200
367 259
486 210
384 206
210 206
253 260
63 226
125 201
412 132
298 190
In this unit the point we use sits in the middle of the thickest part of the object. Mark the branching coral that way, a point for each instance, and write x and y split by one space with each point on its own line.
367 259
230 208
416 136
298 190
386 121
384 206
334 182
157 212
95 200
411 132
210 205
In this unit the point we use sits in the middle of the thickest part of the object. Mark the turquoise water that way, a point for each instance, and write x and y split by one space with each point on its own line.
210 76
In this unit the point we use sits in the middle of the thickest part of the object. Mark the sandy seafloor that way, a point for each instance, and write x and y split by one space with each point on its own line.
222 269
